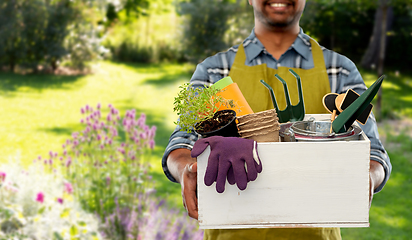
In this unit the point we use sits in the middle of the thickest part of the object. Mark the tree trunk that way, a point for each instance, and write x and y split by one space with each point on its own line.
384 8
374 56
370 59
53 64
12 63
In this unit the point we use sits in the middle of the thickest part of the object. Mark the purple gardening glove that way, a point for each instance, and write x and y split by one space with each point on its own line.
230 157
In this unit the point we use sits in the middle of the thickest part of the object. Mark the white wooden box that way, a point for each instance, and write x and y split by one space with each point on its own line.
303 184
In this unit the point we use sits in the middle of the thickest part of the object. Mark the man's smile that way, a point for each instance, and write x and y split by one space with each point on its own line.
279 5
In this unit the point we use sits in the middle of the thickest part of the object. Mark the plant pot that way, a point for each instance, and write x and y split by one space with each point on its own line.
260 127
222 124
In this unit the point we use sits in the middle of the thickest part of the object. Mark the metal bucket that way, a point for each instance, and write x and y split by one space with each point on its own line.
315 131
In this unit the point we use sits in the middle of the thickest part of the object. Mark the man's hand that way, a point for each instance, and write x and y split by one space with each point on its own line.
184 169
189 188
376 177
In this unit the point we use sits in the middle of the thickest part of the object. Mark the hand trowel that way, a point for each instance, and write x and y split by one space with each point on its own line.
346 118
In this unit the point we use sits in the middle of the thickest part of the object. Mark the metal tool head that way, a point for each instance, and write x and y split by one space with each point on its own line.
291 112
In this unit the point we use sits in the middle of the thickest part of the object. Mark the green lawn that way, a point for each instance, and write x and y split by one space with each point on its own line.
39 112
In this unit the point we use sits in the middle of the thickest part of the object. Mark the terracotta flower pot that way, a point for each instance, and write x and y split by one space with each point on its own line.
261 127
225 126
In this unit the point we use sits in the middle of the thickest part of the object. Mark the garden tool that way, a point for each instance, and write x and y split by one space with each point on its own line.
230 157
358 109
336 103
291 112
329 103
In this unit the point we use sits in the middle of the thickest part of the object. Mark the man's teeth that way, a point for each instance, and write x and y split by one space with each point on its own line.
278 5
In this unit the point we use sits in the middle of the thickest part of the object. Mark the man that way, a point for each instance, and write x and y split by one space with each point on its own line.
276 44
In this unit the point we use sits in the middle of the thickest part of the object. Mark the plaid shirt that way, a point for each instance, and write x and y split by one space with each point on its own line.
342 72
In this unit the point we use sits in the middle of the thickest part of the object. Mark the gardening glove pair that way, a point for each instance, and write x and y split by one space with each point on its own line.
230 157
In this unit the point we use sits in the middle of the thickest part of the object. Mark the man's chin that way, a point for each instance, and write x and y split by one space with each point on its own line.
278 24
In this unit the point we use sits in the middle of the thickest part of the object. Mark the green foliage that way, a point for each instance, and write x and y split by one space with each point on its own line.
137 6
43 32
399 50
205 26
129 51
346 27
194 105
339 25
147 39
161 35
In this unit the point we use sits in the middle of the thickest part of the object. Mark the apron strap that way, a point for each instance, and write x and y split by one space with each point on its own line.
240 57
317 55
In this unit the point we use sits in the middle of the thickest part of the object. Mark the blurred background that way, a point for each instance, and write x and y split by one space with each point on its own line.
56 56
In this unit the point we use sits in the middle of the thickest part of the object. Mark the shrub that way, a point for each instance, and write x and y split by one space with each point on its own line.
40 32
106 160
209 24
131 52
156 222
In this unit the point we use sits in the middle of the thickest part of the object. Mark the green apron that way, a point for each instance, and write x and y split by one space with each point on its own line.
315 84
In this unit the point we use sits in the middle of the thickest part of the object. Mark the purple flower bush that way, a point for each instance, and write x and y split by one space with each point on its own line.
106 168
155 222
105 162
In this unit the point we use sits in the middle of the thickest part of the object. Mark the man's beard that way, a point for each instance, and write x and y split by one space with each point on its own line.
277 24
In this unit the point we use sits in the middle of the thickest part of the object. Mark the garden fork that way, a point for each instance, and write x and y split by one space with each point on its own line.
291 112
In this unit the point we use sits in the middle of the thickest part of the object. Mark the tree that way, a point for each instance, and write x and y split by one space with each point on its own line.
375 54
56 31
339 25
12 47
206 24
41 32
334 22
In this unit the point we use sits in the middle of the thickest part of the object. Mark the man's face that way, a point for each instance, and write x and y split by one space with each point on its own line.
278 13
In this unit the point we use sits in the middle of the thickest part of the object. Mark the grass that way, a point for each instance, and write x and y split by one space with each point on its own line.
39 112
396 93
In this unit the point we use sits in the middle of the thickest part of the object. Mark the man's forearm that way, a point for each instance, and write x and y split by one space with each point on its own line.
177 161
377 173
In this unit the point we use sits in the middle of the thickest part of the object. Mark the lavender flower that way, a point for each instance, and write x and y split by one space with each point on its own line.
151 220
108 180
101 161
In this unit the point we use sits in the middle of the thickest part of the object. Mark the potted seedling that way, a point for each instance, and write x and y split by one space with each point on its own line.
198 110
